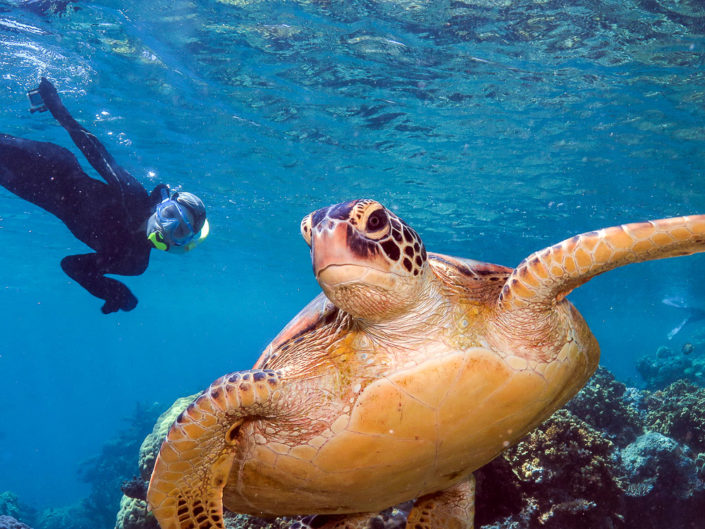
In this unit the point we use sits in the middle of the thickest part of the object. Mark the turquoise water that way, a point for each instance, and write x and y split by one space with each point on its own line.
494 127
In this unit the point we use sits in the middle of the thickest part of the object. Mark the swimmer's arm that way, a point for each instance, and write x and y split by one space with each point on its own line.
90 146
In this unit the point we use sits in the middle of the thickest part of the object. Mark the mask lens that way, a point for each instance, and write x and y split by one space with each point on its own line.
181 240
181 231
168 213
174 223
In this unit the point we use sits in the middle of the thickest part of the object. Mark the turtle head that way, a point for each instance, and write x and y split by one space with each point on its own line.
368 261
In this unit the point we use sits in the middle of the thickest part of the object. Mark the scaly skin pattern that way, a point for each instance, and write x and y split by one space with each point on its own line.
409 372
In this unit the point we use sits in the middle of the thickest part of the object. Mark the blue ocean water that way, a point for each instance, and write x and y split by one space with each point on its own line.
494 127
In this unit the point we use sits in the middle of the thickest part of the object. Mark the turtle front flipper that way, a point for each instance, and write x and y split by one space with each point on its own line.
547 276
186 488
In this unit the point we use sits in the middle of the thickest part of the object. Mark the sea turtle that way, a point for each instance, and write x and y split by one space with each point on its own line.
406 374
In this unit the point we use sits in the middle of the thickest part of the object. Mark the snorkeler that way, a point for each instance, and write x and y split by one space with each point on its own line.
117 219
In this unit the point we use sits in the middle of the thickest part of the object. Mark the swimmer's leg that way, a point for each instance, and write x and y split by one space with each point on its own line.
45 174
88 270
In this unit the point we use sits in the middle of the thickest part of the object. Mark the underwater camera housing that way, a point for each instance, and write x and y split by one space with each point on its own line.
36 103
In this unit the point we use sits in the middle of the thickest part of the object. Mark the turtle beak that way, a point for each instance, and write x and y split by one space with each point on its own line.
329 245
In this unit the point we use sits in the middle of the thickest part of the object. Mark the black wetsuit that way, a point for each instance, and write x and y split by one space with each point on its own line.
109 217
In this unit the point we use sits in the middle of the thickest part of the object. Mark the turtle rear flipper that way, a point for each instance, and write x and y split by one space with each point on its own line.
546 277
186 488
453 508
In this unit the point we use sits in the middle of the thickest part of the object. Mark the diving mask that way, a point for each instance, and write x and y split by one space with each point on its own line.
170 225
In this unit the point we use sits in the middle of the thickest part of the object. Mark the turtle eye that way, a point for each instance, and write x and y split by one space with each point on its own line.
306 229
377 221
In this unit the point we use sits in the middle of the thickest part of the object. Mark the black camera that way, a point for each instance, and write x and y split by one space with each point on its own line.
36 103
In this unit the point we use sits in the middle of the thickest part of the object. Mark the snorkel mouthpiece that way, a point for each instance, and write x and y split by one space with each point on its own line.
158 241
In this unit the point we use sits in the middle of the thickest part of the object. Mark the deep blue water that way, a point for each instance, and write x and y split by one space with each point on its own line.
494 127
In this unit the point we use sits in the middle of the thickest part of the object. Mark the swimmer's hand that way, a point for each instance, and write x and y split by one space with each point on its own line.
125 300
53 102
48 92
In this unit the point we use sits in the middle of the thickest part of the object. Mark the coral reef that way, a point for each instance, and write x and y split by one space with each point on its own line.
559 476
678 412
8 522
9 504
601 462
104 473
132 513
68 517
607 405
662 483
115 464
654 461
668 366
